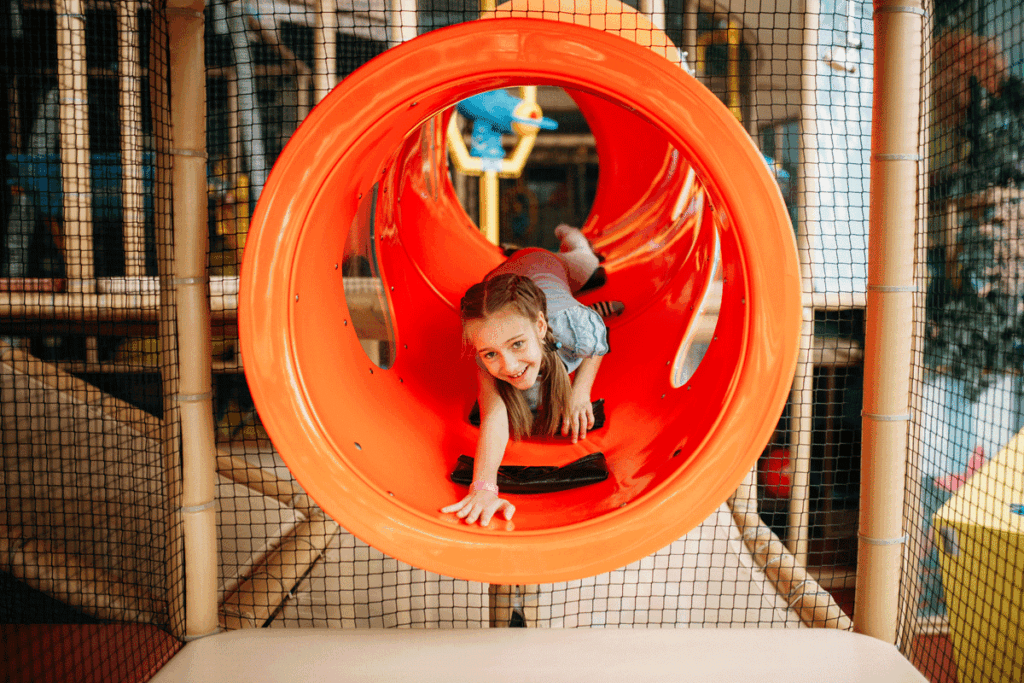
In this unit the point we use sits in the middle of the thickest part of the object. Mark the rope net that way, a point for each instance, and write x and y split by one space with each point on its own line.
961 590
88 467
806 484
91 447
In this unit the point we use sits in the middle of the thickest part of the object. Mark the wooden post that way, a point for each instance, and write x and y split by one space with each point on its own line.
197 512
132 191
689 45
234 143
802 397
655 11
888 347
325 49
402 20
76 164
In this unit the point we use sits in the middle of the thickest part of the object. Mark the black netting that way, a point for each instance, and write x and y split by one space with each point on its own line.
87 453
806 484
964 486
90 364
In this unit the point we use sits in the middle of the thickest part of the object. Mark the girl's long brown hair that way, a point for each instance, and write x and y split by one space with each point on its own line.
486 298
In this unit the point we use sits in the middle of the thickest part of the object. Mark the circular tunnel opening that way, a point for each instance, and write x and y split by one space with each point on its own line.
692 229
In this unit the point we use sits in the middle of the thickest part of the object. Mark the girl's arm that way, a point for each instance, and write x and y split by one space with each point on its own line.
490 449
580 417
494 430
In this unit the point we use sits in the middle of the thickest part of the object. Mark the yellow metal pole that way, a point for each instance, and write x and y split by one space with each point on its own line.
888 347
489 205
510 167
733 39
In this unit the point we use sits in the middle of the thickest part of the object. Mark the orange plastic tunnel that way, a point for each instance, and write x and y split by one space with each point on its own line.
698 245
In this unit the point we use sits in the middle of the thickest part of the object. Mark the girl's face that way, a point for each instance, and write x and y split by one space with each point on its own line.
509 345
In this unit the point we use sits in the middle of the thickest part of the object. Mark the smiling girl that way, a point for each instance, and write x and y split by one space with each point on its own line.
528 333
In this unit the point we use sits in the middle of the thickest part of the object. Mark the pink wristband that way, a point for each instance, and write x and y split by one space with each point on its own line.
483 486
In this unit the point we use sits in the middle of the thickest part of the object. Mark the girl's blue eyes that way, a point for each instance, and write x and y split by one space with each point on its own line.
515 345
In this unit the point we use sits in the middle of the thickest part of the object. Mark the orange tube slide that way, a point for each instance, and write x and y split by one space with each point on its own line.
374 447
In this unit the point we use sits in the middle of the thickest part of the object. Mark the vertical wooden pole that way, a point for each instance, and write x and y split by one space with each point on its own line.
402 20
72 80
325 49
130 85
234 143
305 101
689 46
802 396
197 512
9 111
655 11
888 347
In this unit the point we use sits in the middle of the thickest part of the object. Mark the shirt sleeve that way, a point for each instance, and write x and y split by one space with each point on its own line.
581 331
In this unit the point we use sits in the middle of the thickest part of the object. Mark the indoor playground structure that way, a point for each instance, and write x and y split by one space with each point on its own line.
235 391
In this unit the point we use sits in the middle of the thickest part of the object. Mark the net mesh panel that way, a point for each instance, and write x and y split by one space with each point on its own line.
86 211
86 455
962 588
806 482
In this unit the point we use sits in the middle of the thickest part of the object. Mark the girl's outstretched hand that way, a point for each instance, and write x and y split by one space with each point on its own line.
482 506
580 416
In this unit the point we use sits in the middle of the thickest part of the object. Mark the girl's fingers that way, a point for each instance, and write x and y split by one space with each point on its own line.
455 507
488 512
506 508
471 512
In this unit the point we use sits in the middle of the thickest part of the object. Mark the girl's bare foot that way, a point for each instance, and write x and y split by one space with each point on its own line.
571 238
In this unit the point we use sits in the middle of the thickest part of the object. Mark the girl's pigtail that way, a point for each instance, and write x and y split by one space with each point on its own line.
555 389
